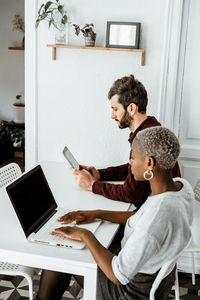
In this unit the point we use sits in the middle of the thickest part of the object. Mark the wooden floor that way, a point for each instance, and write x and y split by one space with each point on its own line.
17 160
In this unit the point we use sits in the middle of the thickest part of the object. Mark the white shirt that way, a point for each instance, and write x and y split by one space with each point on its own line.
158 231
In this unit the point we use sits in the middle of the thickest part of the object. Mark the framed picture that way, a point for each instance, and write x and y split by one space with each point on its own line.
123 35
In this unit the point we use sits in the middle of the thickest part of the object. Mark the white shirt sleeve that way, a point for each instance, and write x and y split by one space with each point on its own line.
139 248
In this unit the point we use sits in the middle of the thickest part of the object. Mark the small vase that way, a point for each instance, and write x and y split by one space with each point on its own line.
18 113
61 36
89 42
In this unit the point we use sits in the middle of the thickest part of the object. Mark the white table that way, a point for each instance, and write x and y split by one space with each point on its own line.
14 247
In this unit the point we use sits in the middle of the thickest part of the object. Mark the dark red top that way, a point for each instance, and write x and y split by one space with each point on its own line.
131 191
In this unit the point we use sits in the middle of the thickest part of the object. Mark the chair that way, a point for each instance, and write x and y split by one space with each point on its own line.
197 191
8 174
165 269
188 261
168 266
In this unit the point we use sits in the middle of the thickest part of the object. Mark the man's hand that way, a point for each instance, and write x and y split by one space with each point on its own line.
80 217
93 171
73 233
84 179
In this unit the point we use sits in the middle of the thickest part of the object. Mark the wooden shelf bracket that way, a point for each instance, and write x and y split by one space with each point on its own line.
54 47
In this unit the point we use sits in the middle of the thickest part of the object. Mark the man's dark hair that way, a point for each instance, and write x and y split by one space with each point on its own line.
130 90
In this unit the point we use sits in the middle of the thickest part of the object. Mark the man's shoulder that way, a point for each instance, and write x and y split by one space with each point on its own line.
150 121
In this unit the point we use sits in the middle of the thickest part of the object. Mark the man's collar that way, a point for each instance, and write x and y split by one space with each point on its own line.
148 122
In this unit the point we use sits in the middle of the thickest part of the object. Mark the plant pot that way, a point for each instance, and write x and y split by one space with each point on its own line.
18 113
89 42
61 36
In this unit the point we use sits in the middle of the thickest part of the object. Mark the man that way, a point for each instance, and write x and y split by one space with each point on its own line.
128 99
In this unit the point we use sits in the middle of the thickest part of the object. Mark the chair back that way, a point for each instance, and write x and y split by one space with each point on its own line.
197 191
9 173
164 271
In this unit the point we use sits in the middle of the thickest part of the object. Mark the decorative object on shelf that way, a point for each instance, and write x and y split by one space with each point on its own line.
55 14
18 111
123 35
18 24
88 33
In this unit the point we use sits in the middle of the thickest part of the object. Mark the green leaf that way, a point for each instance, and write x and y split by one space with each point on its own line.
47 5
40 9
50 22
64 19
77 29
37 23
60 8
43 16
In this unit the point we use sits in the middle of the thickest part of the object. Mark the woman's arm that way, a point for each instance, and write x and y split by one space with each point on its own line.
102 256
88 216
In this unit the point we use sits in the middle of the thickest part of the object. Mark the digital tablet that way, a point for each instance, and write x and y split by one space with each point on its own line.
70 158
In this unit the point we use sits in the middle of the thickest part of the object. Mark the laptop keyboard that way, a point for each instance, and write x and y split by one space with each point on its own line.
44 234
58 238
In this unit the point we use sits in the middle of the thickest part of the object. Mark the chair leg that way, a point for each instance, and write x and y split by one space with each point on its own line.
193 270
30 284
177 296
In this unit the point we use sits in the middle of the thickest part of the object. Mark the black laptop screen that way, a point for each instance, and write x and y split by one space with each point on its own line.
32 199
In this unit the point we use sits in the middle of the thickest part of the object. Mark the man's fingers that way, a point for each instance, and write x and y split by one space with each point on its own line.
86 172
83 167
77 172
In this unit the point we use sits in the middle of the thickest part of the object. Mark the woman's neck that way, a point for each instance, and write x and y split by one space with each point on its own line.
163 182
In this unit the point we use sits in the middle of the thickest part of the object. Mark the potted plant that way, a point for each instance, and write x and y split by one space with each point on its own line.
55 14
18 110
18 24
88 33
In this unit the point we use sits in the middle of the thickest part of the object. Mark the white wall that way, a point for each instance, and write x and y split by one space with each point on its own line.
189 90
11 62
72 106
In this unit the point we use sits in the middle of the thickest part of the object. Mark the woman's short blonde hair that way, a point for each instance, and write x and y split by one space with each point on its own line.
160 143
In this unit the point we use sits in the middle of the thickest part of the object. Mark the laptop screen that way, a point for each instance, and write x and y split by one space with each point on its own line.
32 199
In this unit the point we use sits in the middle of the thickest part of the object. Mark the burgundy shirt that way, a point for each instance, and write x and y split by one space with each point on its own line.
131 191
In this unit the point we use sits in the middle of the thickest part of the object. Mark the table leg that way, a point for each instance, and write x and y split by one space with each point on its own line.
90 284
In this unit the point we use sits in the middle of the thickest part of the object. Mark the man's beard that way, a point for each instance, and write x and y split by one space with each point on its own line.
125 121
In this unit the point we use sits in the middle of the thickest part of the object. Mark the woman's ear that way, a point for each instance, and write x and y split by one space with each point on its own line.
151 162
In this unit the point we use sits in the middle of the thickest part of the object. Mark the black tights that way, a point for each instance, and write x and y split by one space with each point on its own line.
54 284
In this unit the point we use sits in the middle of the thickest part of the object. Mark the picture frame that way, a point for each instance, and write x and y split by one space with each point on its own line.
123 35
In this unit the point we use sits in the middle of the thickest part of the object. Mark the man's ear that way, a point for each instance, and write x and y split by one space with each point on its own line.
132 109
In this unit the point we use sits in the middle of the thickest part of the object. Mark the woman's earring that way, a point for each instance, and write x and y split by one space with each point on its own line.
148 175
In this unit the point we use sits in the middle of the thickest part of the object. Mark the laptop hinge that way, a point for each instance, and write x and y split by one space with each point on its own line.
46 220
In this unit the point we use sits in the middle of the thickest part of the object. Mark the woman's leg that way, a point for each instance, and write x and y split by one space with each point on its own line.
53 285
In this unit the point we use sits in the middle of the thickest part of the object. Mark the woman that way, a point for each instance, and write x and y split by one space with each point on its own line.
157 232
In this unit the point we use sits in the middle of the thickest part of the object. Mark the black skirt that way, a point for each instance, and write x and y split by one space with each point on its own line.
137 289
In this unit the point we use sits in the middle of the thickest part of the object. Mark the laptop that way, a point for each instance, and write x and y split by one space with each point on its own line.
38 212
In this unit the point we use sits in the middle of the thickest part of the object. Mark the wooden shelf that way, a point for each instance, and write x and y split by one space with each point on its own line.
15 48
54 46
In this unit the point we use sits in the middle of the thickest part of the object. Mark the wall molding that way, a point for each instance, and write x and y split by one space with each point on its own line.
31 137
170 64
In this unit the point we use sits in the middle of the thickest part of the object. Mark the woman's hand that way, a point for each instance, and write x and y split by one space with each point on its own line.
73 233
80 217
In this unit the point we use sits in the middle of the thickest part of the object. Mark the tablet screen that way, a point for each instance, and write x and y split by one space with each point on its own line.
70 158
